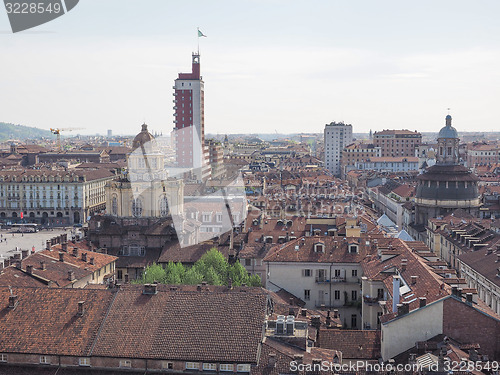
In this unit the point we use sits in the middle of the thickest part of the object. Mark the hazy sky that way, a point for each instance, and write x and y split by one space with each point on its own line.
268 65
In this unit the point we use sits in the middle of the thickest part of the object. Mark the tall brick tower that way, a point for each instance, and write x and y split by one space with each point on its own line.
189 129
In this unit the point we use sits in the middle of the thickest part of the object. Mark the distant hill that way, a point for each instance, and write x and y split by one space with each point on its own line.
20 132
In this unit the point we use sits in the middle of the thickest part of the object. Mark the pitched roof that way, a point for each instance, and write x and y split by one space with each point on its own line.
353 344
215 324
45 320
303 250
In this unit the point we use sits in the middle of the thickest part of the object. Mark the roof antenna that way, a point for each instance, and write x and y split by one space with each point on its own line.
448 110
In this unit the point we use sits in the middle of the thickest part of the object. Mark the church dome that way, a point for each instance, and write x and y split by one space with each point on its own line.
142 138
448 131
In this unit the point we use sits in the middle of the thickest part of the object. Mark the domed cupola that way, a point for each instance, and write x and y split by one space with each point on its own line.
448 144
142 138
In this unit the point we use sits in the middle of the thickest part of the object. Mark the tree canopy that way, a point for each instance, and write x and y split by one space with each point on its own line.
212 268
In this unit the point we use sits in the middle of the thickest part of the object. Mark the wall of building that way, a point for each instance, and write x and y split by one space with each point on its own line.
401 334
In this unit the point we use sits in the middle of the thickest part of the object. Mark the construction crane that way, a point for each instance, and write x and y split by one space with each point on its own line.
58 131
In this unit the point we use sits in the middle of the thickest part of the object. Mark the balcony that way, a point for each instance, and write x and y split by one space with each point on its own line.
371 300
325 280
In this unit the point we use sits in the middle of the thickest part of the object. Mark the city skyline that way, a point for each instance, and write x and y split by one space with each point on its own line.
268 66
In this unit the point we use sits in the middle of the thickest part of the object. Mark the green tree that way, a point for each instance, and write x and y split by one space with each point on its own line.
192 277
174 273
254 280
153 273
238 274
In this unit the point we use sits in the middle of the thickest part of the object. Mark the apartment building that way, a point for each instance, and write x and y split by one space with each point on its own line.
336 137
52 197
397 142
325 272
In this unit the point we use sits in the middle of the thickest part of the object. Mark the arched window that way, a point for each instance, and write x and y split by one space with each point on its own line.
164 211
114 206
136 207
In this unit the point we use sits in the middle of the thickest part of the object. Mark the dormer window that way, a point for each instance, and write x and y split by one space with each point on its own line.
353 248
319 247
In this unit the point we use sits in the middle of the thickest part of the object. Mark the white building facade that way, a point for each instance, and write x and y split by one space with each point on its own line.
336 137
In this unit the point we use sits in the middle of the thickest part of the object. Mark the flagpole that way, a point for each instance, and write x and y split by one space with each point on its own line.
198 39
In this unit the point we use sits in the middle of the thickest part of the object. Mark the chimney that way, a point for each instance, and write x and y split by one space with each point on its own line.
91 260
13 301
400 309
459 292
454 290
335 314
328 319
71 275
230 283
84 257
303 312
468 298
75 252
6 262
64 247
150 289
423 301
404 263
395 293
81 308
29 269
48 244
315 321
42 265
414 280
498 258
272 360
203 283
61 257
198 287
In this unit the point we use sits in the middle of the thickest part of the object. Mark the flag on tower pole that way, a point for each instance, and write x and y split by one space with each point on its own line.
200 34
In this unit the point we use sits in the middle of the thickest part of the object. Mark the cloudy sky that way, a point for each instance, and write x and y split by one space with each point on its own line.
268 65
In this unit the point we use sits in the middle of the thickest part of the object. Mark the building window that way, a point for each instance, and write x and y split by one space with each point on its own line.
167 365
119 275
44 360
354 273
307 294
137 207
192 366
337 273
205 218
209 367
354 321
125 363
243 368
114 206
307 272
3 357
354 295
164 206
218 217
337 294
84 361
227 367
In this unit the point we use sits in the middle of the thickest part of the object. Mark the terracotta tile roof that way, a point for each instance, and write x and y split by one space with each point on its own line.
428 284
302 250
45 320
173 252
353 344
484 262
214 325
15 277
